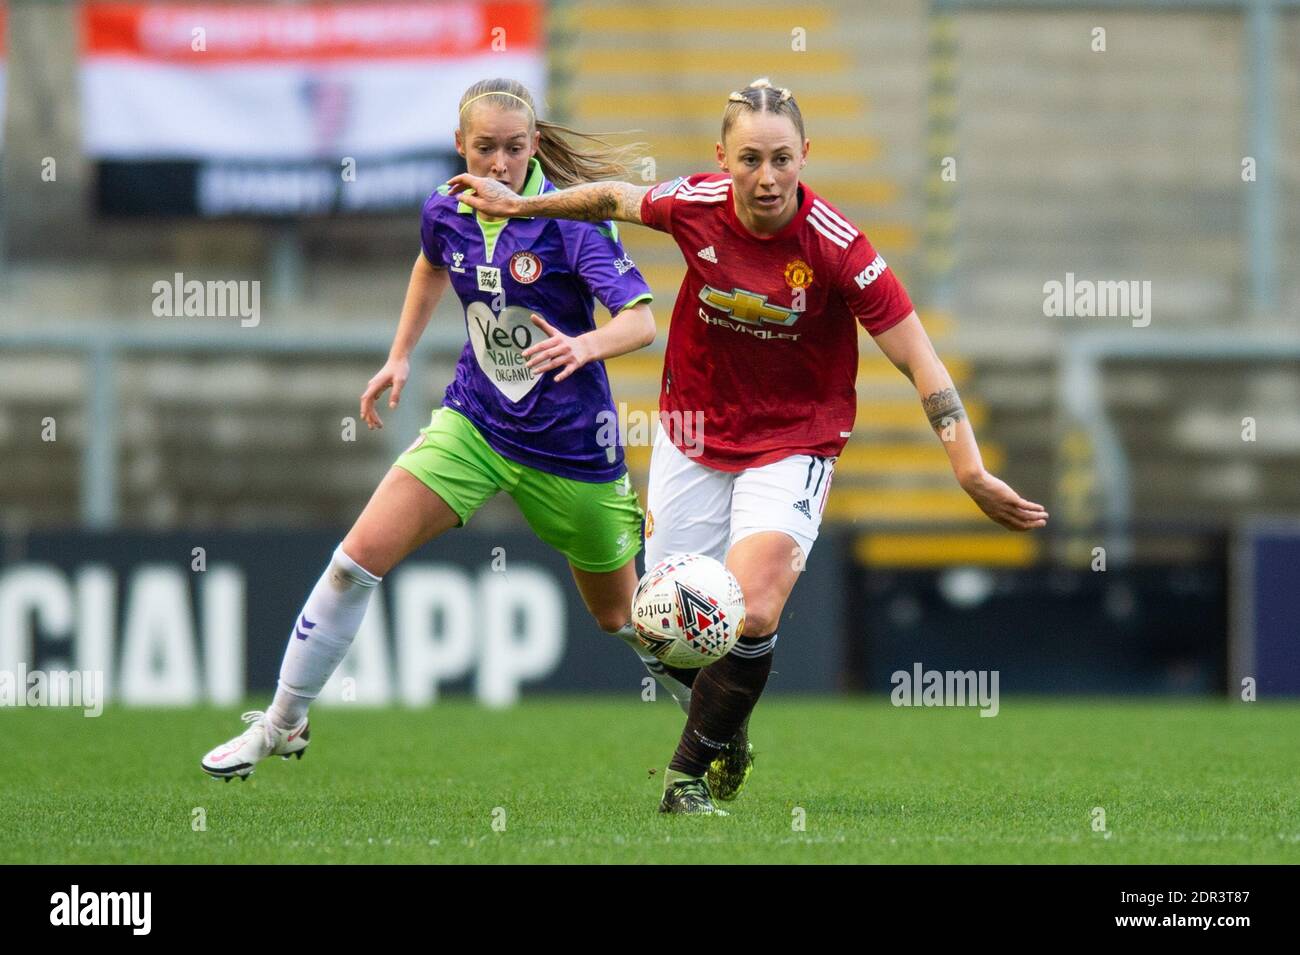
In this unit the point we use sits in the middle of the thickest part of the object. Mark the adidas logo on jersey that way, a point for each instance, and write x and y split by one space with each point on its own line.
708 255
802 508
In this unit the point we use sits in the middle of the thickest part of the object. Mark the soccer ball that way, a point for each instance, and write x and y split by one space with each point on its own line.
688 610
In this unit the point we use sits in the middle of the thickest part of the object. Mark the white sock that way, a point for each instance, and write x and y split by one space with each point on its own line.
627 633
321 636
287 709
678 690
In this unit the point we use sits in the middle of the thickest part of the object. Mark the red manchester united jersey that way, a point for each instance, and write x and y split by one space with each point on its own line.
763 340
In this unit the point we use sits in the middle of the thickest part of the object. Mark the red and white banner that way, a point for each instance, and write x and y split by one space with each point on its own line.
322 81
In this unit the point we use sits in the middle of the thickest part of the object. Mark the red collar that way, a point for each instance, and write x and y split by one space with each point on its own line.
787 230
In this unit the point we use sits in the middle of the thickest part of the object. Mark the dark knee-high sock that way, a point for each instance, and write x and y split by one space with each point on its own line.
682 676
722 698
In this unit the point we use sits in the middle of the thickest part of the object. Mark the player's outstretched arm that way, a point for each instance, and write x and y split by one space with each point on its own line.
588 202
428 282
910 349
630 329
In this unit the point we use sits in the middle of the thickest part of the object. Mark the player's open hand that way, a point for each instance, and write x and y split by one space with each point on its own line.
489 196
394 375
557 351
1001 503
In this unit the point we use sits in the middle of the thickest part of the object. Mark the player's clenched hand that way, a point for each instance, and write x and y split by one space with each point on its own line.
489 196
556 351
394 374
1002 504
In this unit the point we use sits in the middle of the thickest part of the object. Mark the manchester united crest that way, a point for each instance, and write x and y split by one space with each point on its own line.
798 274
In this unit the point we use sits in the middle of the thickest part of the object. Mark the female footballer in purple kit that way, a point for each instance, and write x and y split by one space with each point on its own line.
763 342
523 413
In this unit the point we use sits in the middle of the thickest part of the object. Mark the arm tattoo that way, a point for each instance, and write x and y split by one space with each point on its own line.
943 407
629 202
590 202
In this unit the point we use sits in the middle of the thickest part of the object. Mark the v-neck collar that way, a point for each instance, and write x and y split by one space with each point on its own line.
787 230
491 231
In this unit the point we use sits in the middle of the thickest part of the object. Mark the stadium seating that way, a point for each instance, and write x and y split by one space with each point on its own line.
1108 165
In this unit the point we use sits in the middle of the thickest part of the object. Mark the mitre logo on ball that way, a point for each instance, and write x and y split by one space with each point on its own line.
688 610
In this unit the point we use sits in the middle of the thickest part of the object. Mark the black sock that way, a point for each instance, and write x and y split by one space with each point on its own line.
681 675
722 697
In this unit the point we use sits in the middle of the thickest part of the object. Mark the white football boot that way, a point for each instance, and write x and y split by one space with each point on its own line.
238 756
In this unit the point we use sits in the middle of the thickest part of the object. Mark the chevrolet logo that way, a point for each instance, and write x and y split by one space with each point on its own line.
747 307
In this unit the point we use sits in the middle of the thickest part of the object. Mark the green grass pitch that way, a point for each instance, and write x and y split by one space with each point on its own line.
570 778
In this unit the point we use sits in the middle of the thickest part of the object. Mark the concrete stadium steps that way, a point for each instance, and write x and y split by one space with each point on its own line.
1214 488
1138 39
1180 424
280 475
192 481
1017 293
41 378
1117 164
1054 206
1183 429
179 381
52 471
605 68
600 108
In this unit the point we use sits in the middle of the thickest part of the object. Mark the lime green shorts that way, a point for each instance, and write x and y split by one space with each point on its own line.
596 526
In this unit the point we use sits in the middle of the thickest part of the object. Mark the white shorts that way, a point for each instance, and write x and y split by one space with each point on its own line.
691 508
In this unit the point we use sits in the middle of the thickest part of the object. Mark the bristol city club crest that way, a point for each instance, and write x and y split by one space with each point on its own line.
525 267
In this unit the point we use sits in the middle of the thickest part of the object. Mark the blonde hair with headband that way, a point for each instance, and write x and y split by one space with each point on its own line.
564 161
465 105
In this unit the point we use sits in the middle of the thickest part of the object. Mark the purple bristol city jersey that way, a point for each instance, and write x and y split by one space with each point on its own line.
504 271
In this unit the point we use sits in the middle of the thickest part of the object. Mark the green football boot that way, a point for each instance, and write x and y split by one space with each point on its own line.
688 795
730 770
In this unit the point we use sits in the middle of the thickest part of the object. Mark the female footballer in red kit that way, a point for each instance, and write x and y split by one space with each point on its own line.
763 342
